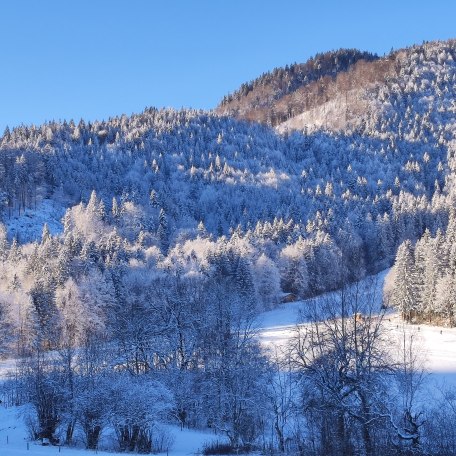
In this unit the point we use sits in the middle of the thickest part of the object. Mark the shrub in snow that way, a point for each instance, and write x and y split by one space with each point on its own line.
138 404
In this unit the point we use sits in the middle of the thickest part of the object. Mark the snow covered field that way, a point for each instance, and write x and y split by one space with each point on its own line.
437 346
13 439
277 326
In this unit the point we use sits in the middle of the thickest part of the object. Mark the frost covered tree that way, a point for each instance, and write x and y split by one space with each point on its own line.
3 243
405 294
294 271
7 335
139 404
433 274
346 375
267 281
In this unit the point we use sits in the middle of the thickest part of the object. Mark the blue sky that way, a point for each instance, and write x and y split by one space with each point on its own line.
63 59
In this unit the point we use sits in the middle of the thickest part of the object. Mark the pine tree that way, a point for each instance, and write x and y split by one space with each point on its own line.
15 253
267 282
3 243
163 230
294 270
44 305
67 223
428 284
153 198
6 328
405 291
115 211
244 281
202 233
45 235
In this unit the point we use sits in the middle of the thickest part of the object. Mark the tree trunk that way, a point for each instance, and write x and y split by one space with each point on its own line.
69 433
280 437
92 437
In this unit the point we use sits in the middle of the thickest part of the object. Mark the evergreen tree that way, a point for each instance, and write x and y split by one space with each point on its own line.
405 287
163 230
3 243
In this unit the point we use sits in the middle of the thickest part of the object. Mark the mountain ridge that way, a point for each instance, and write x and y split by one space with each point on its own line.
343 92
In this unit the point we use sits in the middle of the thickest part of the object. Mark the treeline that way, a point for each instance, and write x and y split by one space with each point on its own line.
231 176
373 95
423 281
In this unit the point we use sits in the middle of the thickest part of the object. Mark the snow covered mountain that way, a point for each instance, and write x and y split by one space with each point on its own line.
286 92
366 169
136 252
354 91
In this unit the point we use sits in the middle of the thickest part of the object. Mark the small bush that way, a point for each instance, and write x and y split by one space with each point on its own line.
224 448
217 448
162 441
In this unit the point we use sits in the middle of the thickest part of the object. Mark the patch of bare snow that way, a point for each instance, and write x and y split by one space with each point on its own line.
28 226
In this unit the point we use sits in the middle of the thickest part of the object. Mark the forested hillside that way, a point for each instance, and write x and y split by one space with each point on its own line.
348 90
181 226
282 93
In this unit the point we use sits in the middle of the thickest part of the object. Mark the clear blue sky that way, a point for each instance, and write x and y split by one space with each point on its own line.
63 59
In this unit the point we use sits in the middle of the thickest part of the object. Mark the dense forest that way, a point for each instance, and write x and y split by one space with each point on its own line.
423 285
270 96
180 227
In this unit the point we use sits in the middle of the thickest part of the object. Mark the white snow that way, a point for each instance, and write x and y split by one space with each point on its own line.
436 344
14 439
28 226
340 112
188 442
276 326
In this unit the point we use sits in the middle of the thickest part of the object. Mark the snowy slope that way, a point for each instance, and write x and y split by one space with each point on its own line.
28 226
339 113
437 345
276 326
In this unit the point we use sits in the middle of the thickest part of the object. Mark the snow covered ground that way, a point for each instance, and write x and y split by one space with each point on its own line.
14 439
437 345
29 225
277 326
